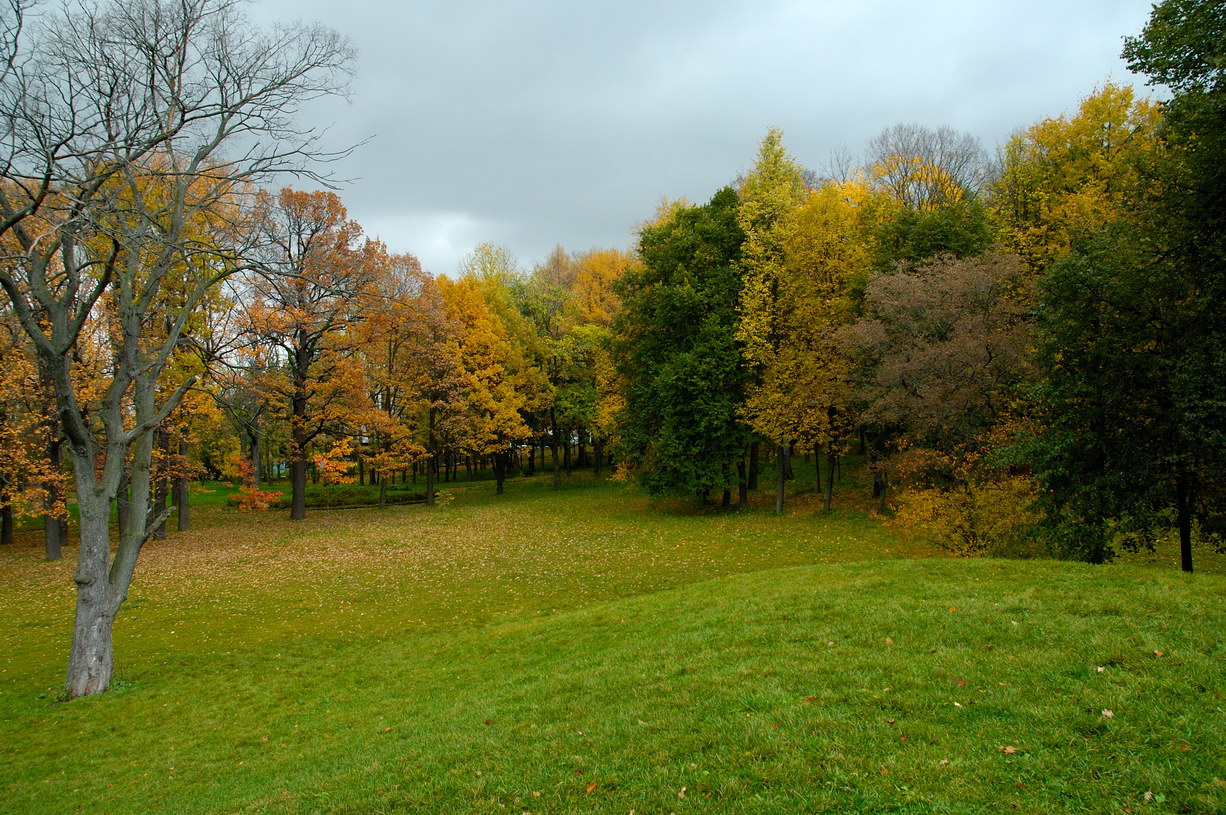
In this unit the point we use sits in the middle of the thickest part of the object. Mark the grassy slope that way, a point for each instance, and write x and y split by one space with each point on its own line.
352 664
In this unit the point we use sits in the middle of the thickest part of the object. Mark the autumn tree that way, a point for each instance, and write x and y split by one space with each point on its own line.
1067 177
316 272
770 198
133 97
492 401
392 336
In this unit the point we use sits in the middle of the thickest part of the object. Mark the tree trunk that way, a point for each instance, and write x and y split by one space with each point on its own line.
431 471
183 492
256 459
598 455
500 471
299 439
725 500
162 492
123 505
742 486
831 460
6 523
382 493
755 464
53 539
781 476
1183 513
297 480
553 443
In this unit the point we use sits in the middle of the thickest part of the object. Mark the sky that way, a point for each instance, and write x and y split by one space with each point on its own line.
536 123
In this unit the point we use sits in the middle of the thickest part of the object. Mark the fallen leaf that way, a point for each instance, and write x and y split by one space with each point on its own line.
952 609
681 795
1148 796
884 771
387 730
987 648
960 683
536 794
489 721
889 640
1007 749
889 721
1101 669
1108 714
944 762
1158 654
591 788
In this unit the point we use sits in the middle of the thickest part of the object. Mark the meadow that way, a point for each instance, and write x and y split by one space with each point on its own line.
586 650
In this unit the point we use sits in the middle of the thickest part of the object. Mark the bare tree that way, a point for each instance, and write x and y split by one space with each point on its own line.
958 157
130 131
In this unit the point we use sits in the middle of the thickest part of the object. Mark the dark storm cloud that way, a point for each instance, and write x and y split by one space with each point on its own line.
536 123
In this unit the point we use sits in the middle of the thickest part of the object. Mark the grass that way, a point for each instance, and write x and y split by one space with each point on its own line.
588 652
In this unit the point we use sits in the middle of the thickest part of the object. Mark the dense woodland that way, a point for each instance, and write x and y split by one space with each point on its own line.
1024 344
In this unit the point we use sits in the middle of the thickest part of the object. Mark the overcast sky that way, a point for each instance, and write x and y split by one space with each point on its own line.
535 123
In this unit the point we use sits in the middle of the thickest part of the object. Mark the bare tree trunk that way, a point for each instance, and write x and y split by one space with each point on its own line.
53 537
742 486
299 441
91 659
123 505
828 496
553 442
1183 518
755 464
298 483
500 471
6 520
162 492
256 458
598 455
781 470
431 458
183 492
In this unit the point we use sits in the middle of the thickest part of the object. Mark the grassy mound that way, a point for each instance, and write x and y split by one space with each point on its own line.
486 657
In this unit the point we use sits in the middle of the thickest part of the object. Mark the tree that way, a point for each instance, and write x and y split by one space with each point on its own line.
677 354
942 352
922 168
492 402
770 197
1066 177
115 121
1134 399
315 274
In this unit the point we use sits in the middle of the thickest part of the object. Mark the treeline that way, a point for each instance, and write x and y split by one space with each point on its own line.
1025 345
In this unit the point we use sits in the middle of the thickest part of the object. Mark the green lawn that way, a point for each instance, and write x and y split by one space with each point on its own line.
590 652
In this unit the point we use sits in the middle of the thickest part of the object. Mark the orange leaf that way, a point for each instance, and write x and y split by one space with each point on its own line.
591 788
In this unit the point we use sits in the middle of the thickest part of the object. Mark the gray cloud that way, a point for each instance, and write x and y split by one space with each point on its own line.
536 123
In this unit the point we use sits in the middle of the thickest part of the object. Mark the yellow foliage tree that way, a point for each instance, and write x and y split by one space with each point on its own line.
1072 175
